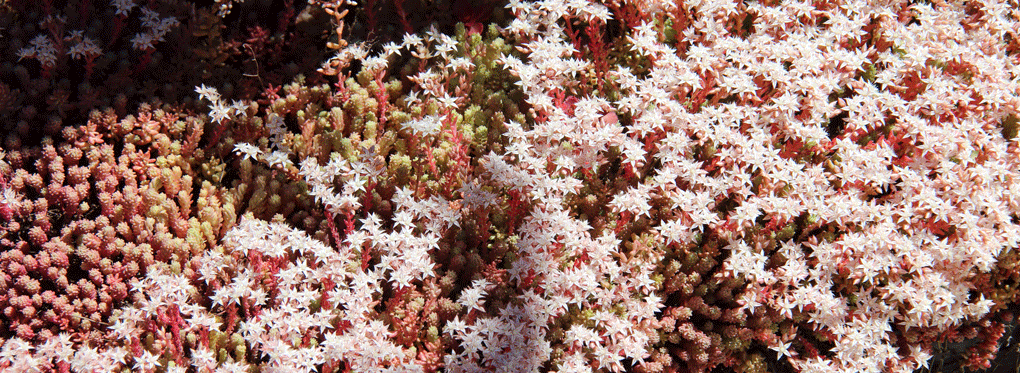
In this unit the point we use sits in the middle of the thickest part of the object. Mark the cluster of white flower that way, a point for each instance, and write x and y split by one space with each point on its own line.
277 156
41 48
366 169
84 47
427 126
780 93
155 30
220 111
331 279
45 49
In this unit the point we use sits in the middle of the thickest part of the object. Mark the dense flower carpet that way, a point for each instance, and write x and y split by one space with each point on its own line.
482 186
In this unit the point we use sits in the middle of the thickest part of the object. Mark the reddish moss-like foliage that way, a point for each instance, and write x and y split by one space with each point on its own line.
88 213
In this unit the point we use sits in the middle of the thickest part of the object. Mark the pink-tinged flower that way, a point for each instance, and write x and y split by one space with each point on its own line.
150 18
582 336
123 7
634 200
41 48
472 297
456 327
143 41
219 112
278 159
782 349
247 150
84 49
745 214
146 362
207 93
449 102
427 126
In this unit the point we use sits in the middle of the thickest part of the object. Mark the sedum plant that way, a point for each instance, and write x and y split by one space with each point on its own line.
594 186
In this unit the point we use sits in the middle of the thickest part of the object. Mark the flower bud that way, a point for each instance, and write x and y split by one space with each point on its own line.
25 332
37 236
28 285
118 290
31 265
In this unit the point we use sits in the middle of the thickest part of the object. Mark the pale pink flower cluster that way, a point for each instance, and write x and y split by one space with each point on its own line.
280 330
551 236
47 49
156 29
41 48
885 203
